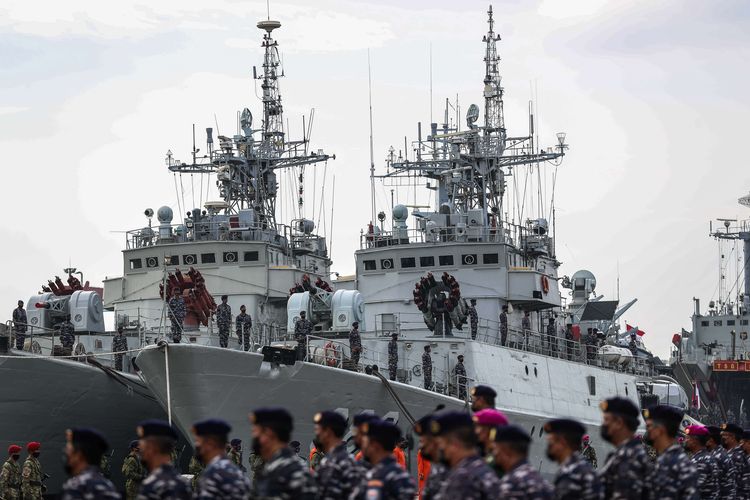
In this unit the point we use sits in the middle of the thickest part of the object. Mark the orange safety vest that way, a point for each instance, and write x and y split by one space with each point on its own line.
423 471
397 452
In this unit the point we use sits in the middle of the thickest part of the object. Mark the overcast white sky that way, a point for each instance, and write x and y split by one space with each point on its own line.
652 95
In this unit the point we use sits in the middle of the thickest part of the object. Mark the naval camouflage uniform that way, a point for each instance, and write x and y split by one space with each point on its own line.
742 467
523 481
164 483
503 327
708 474
302 328
435 480
10 480
355 346
473 321
386 481
285 477
223 321
177 313
576 479
338 474
89 485
676 476
132 470
31 481
392 359
470 479
195 467
460 372
19 326
222 479
589 453
551 337
427 370
67 337
727 472
627 472
119 344
236 458
244 325
526 328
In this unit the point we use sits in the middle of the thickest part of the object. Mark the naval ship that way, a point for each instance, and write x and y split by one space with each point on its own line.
712 360
413 281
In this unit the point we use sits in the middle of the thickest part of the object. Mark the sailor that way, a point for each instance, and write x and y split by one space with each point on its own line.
358 433
31 475
730 439
484 421
119 344
482 397
386 480
338 473
132 471
302 328
224 321
708 469
393 356
589 452
551 337
284 475
526 327
355 344
195 467
221 478
177 312
157 439
67 336
427 367
510 448
459 371
576 479
19 325
10 476
105 467
83 454
235 453
727 471
632 345
431 473
504 324
244 328
675 476
473 319
627 472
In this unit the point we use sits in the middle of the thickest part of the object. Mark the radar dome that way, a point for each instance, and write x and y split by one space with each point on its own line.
164 214
400 213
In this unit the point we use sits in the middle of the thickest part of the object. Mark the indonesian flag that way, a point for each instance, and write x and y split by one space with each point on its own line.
638 331
696 396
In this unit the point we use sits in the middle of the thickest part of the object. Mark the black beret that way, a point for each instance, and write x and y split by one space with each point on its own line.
564 426
384 432
278 418
509 434
664 413
714 431
422 426
154 427
134 444
212 427
235 442
733 429
746 434
331 419
294 444
363 418
619 406
86 435
483 391
448 421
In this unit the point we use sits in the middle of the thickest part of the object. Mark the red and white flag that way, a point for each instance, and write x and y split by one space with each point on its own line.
696 396
638 331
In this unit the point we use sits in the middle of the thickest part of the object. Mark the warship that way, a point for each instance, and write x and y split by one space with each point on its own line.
548 358
712 360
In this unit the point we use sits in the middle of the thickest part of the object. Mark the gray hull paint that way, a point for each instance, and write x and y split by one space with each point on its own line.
42 397
213 382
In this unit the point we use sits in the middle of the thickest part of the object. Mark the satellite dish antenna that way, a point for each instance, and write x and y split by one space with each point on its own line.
246 122
472 115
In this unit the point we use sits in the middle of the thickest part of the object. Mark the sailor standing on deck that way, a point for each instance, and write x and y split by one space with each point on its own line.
459 372
338 473
504 325
302 328
576 479
177 312
157 439
473 319
526 328
19 325
221 478
224 321
427 367
355 345
119 344
67 336
393 356
708 469
10 476
244 328
83 454
727 472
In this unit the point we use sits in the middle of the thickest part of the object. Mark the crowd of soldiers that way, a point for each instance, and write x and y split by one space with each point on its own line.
243 322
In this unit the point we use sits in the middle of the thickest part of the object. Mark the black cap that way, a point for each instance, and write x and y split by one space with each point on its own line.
509 434
619 406
733 429
483 391
564 426
448 421
363 418
473 301
272 417
355 324
422 426
331 419
384 432
460 356
394 334
154 427
715 432
664 413
505 306
212 427
134 444
235 442
89 436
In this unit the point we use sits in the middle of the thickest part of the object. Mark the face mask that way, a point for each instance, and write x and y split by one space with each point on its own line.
16 457
425 455
604 431
550 455
66 465
442 458
647 440
482 449
36 454
318 445
256 446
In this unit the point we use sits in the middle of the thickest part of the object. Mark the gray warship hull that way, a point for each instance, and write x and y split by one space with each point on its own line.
41 397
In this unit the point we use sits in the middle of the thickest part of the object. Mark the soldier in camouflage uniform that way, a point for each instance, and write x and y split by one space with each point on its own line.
427 367
157 439
224 321
473 319
355 344
244 328
627 472
195 467
589 452
256 466
31 482
393 356
708 470
526 329
177 313
386 480
576 479
727 472
338 472
285 476
119 344
105 467
675 476
67 336
302 328
10 476
504 325
459 372
510 447
132 470
19 325
83 454
221 478
235 453
730 439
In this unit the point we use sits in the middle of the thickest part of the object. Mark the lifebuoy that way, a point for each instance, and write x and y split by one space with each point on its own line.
330 353
545 284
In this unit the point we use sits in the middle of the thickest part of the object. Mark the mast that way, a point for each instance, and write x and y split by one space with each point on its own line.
494 121
372 155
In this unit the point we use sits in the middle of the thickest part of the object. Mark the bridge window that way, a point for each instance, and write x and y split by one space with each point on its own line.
428 261
469 259
251 256
445 260
386 264
370 265
135 264
152 262
717 322
408 262
730 322
704 323
230 257
743 322
173 260
490 258
189 259
208 258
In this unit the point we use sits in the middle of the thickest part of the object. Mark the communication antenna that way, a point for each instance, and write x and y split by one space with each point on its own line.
372 155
